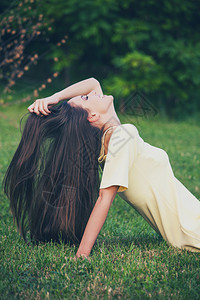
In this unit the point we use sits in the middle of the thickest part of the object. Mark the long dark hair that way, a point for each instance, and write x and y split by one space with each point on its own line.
52 181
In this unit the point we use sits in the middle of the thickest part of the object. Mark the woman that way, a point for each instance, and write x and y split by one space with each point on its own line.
53 192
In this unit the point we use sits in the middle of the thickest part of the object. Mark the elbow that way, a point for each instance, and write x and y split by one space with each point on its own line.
94 81
99 199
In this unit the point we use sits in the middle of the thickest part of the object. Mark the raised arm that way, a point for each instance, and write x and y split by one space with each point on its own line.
83 87
96 220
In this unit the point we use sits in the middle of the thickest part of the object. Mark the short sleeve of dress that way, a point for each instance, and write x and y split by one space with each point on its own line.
120 157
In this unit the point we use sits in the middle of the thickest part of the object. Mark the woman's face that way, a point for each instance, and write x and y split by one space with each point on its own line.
93 102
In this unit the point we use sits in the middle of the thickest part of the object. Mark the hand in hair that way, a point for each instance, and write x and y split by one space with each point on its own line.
41 106
84 87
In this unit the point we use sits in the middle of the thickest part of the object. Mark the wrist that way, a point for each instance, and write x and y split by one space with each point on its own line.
83 252
57 97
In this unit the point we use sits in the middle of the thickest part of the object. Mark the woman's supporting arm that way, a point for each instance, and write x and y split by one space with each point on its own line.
96 220
83 87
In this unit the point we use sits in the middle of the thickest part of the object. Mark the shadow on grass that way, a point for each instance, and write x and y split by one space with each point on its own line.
143 241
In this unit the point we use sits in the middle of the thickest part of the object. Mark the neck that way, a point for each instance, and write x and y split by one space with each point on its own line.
113 121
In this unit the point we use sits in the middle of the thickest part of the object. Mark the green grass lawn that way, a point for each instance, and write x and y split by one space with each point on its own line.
129 260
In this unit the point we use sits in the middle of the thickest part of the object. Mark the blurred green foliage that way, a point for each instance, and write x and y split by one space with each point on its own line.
130 45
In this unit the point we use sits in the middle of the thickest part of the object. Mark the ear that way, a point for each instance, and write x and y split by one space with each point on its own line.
93 117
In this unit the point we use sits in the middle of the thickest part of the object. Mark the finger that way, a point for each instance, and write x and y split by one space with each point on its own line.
41 109
31 105
31 108
45 108
36 108
75 258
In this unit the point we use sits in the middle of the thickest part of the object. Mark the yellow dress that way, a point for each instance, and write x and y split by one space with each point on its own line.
146 181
